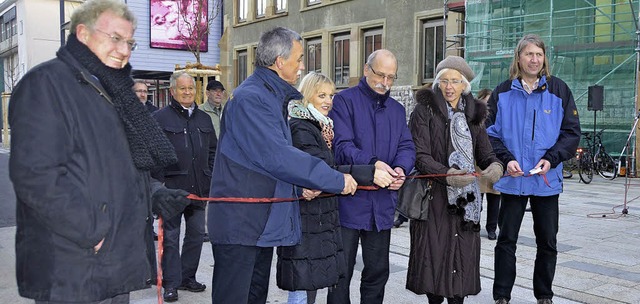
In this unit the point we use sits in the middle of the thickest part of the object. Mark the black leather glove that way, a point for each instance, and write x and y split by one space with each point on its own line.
168 203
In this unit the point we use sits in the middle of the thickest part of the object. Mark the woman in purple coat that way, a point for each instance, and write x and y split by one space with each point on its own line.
318 261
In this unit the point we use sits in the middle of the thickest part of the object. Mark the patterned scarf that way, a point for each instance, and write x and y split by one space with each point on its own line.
298 110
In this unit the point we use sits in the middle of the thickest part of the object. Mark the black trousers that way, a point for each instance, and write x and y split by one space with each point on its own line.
545 226
241 274
375 256
180 268
493 209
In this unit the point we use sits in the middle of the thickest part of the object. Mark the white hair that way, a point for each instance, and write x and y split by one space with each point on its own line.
467 85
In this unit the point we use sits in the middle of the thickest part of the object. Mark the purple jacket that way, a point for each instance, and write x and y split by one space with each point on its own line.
370 127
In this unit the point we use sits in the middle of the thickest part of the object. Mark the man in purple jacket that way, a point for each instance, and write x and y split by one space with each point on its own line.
370 128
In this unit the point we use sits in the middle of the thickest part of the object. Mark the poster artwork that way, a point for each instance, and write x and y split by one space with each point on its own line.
174 24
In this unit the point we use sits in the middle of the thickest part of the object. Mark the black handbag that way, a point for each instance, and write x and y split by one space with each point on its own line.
413 197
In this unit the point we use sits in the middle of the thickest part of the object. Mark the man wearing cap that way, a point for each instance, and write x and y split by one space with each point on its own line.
214 105
370 129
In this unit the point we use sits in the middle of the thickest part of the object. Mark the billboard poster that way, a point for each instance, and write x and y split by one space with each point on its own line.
178 24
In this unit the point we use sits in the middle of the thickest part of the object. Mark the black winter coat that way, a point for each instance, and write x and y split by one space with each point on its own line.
444 259
76 184
318 261
195 142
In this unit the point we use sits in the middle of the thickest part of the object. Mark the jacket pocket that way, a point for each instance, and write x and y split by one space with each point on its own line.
177 136
203 136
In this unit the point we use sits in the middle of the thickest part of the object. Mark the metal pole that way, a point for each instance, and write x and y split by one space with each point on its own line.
62 39
5 120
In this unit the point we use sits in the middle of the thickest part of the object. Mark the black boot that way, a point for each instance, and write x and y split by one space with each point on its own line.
455 300
435 299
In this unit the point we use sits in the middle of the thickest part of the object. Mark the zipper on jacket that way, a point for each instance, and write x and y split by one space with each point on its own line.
533 129
186 140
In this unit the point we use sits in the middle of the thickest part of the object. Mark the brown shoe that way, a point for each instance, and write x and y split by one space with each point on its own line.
502 301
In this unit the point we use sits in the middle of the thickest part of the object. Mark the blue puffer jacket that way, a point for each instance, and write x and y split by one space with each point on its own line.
369 127
255 158
530 127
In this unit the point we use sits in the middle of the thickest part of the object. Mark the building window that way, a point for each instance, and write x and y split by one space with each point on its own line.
281 6
341 59
9 24
241 67
372 42
314 56
261 7
242 10
432 48
313 2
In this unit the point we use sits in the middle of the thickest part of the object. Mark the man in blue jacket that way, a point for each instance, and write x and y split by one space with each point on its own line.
536 127
370 128
256 159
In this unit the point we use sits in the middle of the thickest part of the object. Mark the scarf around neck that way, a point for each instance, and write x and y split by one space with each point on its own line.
150 148
298 110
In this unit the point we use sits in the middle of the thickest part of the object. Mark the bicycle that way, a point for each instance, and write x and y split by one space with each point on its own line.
594 157
569 166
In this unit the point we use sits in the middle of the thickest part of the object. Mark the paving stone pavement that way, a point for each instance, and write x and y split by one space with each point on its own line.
599 259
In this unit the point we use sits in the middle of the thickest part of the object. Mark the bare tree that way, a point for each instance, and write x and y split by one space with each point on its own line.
197 23
12 72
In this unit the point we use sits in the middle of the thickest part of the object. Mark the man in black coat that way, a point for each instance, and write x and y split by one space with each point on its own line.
80 167
191 132
142 91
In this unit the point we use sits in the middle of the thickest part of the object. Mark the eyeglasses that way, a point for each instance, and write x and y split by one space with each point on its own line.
141 91
383 76
446 82
117 40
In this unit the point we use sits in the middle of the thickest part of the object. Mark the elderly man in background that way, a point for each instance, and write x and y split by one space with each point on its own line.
214 104
190 131
142 91
370 128
80 167
256 159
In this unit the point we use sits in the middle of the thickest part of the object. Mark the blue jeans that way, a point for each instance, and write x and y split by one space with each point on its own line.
302 297
545 226
375 256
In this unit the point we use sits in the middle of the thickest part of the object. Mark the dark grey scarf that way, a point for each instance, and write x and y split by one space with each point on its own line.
150 148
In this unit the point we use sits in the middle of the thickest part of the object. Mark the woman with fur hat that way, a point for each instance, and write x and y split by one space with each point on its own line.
448 131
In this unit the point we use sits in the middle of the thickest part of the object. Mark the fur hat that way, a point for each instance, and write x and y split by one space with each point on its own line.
457 63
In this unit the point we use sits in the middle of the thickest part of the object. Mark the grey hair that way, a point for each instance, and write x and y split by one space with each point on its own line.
374 54
89 12
139 81
173 81
467 85
273 43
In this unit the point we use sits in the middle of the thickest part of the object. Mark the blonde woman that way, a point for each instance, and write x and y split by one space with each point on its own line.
318 261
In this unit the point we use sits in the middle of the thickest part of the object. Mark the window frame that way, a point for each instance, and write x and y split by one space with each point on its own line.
242 11
241 66
281 6
261 8
436 28
316 43
366 34
344 39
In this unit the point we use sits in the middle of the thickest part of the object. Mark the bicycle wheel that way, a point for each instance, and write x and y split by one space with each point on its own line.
606 166
585 168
